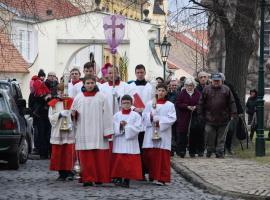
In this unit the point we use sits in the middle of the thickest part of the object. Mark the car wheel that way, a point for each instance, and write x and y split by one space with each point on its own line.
24 151
13 161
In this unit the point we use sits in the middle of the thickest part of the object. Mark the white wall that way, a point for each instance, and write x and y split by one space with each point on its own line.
55 57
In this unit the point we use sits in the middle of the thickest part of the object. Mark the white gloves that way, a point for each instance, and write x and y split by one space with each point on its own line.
65 113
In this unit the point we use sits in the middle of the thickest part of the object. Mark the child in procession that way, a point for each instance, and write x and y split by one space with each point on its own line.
94 126
62 156
158 118
126 162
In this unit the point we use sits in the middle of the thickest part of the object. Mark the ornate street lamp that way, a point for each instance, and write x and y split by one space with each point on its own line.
165 47
260 141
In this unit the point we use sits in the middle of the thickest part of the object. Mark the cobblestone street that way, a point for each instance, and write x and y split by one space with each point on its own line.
34 181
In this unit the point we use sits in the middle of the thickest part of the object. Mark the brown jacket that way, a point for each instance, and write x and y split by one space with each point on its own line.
216 105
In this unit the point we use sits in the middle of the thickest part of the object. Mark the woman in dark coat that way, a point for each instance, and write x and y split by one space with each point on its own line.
251 110
188 128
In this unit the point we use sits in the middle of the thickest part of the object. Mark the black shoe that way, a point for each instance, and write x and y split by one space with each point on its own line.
182 154
70 177
61 178
125 183
87 184
200 154
44 157
35 152
208 154
219 155
118 182
230 152
98 183
192 155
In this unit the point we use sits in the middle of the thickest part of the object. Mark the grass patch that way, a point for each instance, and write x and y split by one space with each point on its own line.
250 152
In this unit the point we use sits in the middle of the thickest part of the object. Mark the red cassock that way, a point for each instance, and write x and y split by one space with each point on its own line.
126 166
62 157
95 165
157 163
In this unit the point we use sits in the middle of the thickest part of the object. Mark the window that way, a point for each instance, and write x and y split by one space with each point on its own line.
24 42
267 39
3 107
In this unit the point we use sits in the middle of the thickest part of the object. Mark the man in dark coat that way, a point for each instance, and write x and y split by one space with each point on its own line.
216 107
171 96
232 129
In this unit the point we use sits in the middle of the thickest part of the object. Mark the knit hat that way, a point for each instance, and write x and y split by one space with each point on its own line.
41 73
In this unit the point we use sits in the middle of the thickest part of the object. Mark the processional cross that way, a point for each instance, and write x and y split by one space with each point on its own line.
114 30
112 40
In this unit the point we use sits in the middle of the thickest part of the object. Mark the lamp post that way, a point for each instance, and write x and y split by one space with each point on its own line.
165 47
260 141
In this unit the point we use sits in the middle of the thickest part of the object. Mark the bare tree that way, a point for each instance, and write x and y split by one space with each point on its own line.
238 19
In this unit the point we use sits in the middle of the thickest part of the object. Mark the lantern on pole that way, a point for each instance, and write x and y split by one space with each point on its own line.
165 47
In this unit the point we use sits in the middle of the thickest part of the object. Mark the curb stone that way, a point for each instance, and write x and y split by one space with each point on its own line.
199 182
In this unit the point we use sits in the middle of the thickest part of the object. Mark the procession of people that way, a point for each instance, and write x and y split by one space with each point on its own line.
120 131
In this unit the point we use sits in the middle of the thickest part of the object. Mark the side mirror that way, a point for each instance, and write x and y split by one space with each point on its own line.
21 103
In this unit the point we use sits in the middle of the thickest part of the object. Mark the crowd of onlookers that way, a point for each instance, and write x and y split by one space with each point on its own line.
208 111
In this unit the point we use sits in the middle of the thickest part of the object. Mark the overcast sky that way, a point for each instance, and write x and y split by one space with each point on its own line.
182 16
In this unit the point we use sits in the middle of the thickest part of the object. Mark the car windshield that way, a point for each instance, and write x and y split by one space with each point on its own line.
3 107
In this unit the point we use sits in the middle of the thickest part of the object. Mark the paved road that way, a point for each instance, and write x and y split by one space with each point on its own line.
34 181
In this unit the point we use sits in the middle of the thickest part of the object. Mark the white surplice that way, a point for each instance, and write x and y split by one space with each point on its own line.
94 123
120 91
73 90
127 142
167 116
58 136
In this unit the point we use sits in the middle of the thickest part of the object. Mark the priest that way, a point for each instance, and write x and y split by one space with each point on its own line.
114 89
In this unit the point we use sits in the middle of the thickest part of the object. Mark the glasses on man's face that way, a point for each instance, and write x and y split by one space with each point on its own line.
74 73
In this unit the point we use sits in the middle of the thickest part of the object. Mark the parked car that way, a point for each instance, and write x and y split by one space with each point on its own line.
15 127
13 87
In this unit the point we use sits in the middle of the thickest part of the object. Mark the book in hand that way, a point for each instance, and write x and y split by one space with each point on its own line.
138 103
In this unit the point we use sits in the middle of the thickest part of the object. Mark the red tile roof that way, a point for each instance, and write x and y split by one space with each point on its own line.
201 35
10 58
43 10
189 42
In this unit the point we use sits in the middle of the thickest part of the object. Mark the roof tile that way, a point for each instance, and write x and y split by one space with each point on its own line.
43 10
10 58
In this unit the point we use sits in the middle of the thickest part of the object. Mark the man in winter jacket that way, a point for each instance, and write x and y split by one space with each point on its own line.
216 108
